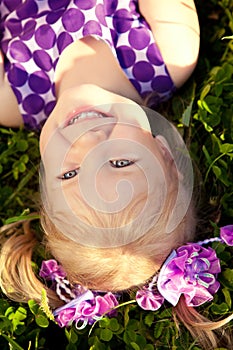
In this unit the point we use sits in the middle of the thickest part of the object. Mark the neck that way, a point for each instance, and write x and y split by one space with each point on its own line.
90 61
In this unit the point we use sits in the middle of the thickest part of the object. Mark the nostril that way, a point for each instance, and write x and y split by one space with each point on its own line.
90 139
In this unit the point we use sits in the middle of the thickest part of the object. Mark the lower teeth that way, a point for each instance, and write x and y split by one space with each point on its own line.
85 115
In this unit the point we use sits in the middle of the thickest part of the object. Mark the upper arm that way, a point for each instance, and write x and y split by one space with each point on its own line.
175 27
9 111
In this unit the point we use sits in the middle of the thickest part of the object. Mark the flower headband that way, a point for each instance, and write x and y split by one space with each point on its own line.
191 271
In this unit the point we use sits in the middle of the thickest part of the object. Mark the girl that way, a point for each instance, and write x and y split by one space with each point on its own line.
116 181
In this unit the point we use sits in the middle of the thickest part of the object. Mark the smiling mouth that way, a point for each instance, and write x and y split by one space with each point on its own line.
86 115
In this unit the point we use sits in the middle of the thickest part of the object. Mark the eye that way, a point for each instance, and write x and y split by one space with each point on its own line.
70 174
121 163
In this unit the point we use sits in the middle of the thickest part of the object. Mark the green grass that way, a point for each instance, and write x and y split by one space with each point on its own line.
203 112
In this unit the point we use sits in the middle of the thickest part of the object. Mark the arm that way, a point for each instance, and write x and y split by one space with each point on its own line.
175 27
9 111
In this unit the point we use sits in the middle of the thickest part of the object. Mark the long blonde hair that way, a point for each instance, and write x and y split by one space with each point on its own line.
120 268
104 269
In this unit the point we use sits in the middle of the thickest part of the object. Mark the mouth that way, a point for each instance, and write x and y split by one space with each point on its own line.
86 115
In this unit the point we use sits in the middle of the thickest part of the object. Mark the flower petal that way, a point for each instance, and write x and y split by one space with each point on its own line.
198 296
85 308
149 300
99 306
190 271
226 233
88 295
65 317
50 269
167 287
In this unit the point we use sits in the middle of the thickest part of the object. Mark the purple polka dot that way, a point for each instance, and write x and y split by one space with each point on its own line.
49 107
19 51
161 84
63 41
139 38
33 104
14 26
143 71
39 82
122 21
133 8
58 4
17 94
92 27
45 37
30 122
100 14
28 8
4 46
53 17
28 30
136 84
12 4
110 6
17 75
126 56
154 56
43 60
85 4
73 20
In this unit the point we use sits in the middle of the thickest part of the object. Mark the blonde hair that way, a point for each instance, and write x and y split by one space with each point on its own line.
120 268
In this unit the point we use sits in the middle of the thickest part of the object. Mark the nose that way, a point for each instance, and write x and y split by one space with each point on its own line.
88 141
91 138
97 129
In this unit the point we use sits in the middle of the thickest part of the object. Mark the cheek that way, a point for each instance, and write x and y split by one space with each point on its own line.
48 135
42 142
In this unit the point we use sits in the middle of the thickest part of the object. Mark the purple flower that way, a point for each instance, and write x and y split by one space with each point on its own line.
226 233
149 300
65 317
86 308
190 271
50 270
99 306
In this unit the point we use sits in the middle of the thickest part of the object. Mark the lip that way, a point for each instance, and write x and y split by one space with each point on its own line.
75 112
78 111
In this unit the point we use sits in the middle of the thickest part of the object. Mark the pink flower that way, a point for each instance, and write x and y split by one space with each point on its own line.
50 270
226 233
190 271
65 317
149 300
85 309
99 306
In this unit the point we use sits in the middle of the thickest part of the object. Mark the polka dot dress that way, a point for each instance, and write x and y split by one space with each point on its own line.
34 34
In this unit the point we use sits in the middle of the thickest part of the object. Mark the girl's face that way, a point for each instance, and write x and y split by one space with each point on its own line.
97 149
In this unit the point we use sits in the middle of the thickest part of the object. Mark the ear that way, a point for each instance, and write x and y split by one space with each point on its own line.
165 148
167 153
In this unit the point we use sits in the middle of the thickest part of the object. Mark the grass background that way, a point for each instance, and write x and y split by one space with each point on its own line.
203 112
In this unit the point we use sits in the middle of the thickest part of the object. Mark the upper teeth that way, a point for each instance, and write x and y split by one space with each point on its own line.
88 114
